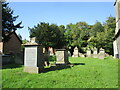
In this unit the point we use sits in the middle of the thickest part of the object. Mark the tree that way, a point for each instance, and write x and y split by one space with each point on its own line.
103 37
109 26
97 27
77 34
8 26
48 35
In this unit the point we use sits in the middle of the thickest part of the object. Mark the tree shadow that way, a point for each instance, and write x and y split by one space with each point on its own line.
10 66
78 63
61 66
56 67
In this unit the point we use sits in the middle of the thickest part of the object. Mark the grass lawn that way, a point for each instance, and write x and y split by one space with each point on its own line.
87 73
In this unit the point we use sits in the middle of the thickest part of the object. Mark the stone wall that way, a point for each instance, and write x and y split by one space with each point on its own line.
118 44
117 31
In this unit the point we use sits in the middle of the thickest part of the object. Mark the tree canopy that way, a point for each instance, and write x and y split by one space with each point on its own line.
49 35
8 19
80 34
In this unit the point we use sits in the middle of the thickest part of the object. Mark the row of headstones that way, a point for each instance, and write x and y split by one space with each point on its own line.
34 58
95 54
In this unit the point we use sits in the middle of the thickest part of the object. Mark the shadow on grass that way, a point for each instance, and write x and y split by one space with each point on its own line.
10 66
54 68
60 67
78 63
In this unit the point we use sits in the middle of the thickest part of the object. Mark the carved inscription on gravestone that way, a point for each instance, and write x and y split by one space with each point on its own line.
31 57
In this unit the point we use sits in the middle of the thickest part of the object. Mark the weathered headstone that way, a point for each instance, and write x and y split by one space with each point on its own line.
33 59
75 53
81 55
88 54
43 50
95 53
33 40
69 54
61 56
101 54
50 49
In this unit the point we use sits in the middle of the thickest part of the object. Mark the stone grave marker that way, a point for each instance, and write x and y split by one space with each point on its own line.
61 56
95 53
33 59
69 54
81 55
51 51
33 40
101 54
88 54
75 53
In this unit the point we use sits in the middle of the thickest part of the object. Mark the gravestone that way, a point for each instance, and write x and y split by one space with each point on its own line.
81 55
33 59
33 40
101 54
95 53
51 51
88 54
75 53
43 50
69 54
61 56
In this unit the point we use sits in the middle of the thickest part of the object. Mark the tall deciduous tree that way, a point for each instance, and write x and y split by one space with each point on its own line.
103 37
97 27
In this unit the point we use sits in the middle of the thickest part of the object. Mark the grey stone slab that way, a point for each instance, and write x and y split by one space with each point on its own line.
61 56
33 57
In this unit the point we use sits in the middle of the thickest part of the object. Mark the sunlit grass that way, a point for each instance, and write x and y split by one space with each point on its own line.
87 73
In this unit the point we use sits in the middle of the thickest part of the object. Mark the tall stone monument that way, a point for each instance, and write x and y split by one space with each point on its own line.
101 53
88 53
61 56
95 53
75 53
33 58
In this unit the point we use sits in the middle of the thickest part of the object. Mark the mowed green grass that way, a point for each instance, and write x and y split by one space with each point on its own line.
87 73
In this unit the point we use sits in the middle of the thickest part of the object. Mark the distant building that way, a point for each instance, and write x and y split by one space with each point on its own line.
13 45
116 42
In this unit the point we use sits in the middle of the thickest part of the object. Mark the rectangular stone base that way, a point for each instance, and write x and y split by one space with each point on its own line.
60 62
32 69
